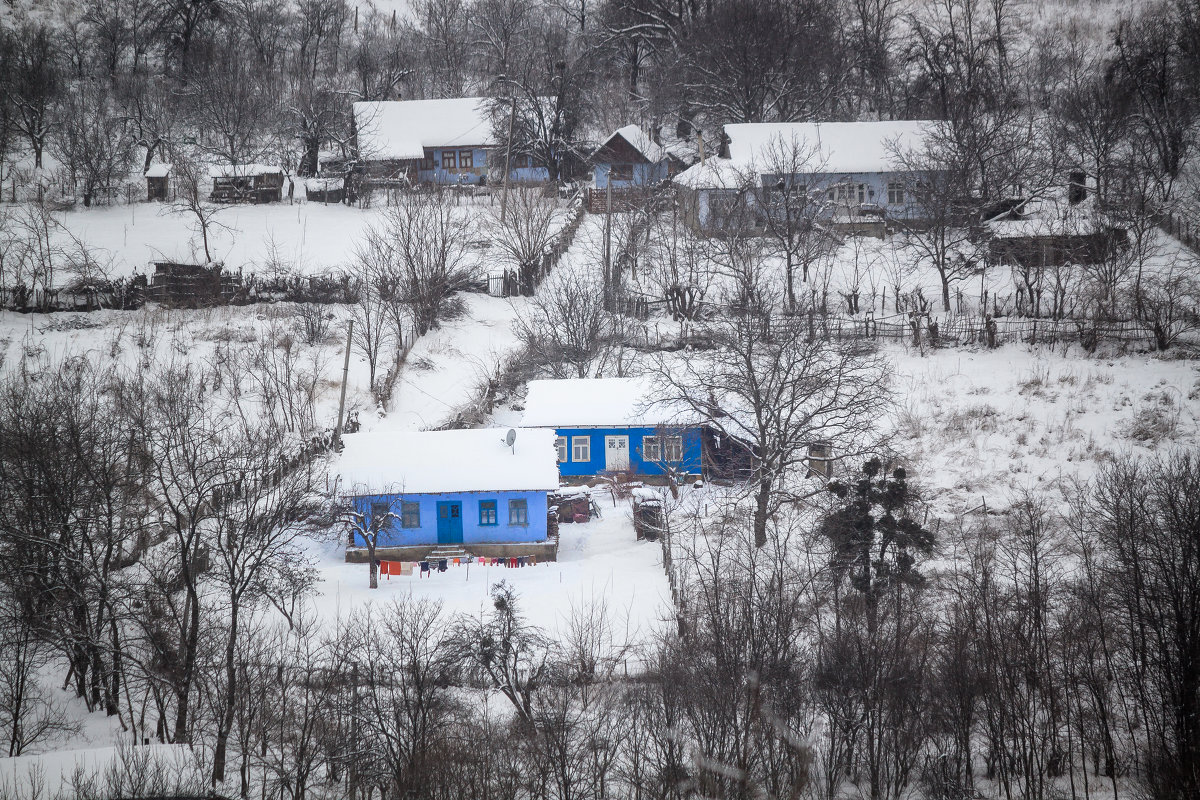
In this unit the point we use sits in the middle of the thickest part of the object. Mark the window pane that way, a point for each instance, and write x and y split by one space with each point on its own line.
466 158
674 448
487 512
379 511
410 515
581 448
561 444
518 512
650 449
447 159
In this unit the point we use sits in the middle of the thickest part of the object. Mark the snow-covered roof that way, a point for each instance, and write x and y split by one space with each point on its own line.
640 141
242 170
158 170
821 147
403 129
1049 215
597 402
426 462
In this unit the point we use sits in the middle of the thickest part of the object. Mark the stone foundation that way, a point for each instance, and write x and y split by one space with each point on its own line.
542 551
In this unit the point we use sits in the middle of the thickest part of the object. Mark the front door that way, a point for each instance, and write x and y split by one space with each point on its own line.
616 453
449 523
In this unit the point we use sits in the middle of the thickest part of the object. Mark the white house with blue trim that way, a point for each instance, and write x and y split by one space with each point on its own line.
448 141
851 171
457 487
614 425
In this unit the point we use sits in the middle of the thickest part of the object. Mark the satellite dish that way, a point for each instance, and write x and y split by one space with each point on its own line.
510 437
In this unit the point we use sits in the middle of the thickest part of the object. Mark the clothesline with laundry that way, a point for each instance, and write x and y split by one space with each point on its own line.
427 567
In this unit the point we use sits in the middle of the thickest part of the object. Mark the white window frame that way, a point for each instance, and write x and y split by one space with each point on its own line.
895 193
581 444
560 444
651 449
674 448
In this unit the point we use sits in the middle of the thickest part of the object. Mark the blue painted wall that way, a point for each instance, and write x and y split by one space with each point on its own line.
396 536
477 170
643 175
876 193
596 465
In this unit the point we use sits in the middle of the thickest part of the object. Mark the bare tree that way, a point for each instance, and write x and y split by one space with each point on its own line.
526 231
93 141
775 388
34 85
565 329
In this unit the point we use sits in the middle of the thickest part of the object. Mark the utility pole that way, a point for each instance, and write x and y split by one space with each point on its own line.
337 432
512 117
609 300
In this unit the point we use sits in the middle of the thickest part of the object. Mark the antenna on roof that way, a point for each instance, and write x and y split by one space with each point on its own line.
510 438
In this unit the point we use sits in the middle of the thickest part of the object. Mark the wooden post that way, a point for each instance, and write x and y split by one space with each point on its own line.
512 116
337 432
608 276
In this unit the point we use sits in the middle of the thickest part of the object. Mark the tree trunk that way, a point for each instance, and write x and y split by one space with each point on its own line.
225 723
761 499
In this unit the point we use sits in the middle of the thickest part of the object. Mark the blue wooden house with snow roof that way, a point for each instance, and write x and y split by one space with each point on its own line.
629 158
614 425
446 141
464 488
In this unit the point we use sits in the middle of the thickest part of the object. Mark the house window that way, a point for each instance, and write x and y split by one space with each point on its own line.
410 515
674 448
448 159
895 194
621 172
520 161
518 512
561 444
820 460
466 159
862 193
427 161
379 512
651 451
581 448
487 512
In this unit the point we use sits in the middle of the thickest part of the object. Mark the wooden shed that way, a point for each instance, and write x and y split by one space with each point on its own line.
192 285
158 182
247 183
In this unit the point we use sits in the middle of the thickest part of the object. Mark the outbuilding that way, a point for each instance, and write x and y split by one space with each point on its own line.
614 425
466 488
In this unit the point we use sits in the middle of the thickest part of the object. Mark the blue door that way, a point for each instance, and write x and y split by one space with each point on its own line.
449 523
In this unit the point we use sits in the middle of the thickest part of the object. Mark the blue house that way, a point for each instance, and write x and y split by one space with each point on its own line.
467 488
849 174
450 141
613 425
629 159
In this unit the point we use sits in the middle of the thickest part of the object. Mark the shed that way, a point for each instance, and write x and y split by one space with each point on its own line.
610 425
158 177
247 183
464 488
192 285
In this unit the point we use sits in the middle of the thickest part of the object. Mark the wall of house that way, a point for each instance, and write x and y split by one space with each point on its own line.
396 536
875 194
478 172
643 175
596 464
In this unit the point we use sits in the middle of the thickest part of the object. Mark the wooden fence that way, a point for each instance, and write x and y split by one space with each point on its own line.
511 283
921 330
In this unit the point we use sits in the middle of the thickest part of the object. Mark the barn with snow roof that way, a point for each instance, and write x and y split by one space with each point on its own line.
449 141
626 167
468 488
614 425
